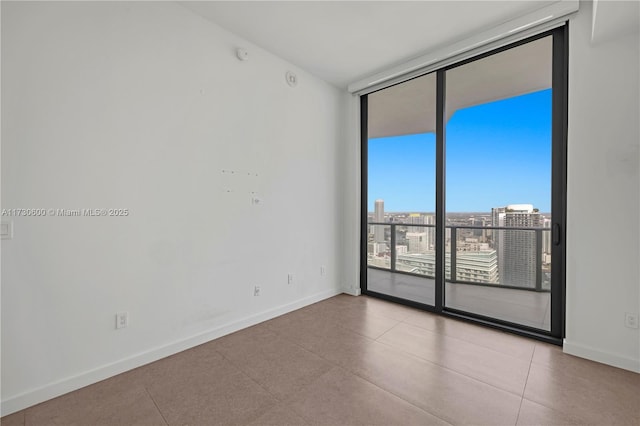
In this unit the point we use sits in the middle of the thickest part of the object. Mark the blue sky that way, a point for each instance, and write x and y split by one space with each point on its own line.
498 153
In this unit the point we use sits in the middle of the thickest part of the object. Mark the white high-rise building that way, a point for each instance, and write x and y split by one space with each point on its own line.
422 219
516 249
431 231
378 216
417 242
415 218
546 236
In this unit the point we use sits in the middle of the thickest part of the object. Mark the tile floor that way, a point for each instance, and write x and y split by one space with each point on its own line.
356 361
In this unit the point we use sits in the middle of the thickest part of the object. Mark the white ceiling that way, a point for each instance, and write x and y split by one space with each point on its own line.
342 42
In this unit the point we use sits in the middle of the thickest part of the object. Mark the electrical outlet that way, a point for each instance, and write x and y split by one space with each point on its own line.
256 290
290 279
630 320
6 230
323 271
122 319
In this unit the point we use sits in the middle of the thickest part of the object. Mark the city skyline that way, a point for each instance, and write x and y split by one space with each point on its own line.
517 254
498 153
379 213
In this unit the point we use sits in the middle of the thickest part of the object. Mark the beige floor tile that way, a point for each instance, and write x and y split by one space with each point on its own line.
366 316
534 414
105 403
280 366
15 419
341 398
280 415
342 347
495 368
337 302
508 344
451 396
377 307
302 324
201 387
582 392
552 356
368 325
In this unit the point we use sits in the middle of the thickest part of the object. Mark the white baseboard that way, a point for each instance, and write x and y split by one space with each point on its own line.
353 291
584 351
52 390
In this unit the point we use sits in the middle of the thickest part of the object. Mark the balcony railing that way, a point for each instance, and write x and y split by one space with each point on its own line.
506 257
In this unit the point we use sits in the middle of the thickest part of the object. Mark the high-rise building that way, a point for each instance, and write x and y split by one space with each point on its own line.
479 221
516 249
378 216
417 242
415 218
546 236
431 231
422 219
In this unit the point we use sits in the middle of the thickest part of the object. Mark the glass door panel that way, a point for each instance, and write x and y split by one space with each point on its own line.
499 185
401 190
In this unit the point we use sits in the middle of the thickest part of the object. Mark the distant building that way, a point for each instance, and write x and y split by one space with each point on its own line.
415 218
377 249
516 249
423 219
417 242
431 231
471 266
546 236
378 216
479 221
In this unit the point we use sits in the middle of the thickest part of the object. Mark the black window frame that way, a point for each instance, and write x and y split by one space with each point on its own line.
560 72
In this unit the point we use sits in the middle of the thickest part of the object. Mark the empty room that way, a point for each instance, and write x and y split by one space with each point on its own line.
320 213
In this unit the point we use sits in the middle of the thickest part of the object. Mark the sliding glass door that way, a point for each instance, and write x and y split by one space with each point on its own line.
498 185
401 162
464 179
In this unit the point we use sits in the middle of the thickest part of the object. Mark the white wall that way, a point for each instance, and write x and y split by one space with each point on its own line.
603 233
141 106
351 199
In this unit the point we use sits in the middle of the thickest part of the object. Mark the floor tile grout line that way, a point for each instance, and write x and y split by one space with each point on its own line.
449 369
364 335
524 389
412 355
391 393
321 336
247 375
461 339
336 365
542 403
279 400
156 405
392 327
24 416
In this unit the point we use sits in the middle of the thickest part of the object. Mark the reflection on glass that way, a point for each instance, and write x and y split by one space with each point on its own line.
401 189
498 185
